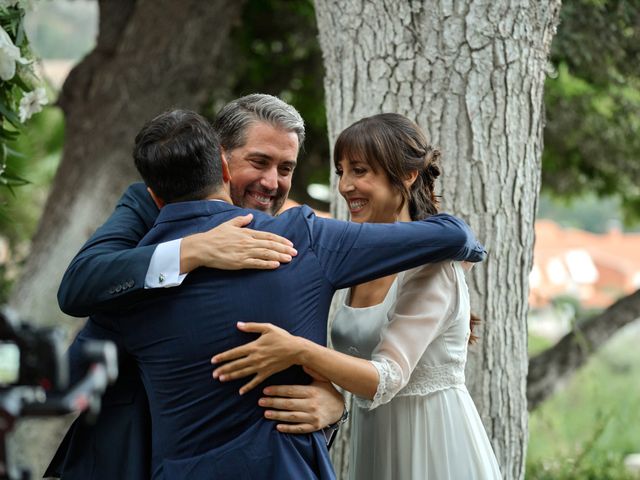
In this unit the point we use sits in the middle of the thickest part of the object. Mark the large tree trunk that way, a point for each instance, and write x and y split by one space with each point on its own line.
471 74
150 55
553 367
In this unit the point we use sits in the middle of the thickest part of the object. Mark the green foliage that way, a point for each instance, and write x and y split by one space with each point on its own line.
593 104
601 467
583 431
599 40
537 344
21 147
40 147
17 87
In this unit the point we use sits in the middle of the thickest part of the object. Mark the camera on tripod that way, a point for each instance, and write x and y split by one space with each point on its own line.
36 380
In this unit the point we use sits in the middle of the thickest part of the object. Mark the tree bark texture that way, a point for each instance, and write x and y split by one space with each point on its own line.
151 55
553 367
471 74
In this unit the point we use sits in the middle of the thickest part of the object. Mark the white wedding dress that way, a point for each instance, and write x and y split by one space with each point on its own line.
422 423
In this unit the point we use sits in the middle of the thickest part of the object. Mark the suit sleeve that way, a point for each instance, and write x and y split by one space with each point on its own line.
108 272
352 253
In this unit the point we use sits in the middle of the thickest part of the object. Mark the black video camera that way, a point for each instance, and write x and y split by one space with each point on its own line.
31 356
35 378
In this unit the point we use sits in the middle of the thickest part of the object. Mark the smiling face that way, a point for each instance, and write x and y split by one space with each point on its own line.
369 194
262 168
387 169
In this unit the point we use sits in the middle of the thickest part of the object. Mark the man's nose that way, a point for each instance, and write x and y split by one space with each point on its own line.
269 179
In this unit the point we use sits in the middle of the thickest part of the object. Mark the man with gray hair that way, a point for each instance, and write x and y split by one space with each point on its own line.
260 137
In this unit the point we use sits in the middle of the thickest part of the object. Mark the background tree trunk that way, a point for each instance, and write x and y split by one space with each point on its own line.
471 74
150 55
553 367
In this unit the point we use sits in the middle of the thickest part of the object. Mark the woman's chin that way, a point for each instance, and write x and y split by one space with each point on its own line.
358 217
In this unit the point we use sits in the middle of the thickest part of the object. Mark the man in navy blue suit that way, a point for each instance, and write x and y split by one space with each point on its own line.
205 429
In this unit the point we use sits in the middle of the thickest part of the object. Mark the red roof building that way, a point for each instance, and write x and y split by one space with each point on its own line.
596 269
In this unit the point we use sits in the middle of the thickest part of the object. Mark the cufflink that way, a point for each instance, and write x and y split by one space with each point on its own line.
130 283
118 288
112 290
161 278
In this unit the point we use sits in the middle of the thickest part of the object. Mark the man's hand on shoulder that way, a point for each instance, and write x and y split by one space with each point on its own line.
306 408
230 246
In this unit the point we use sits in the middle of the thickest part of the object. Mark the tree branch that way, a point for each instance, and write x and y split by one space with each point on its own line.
550 368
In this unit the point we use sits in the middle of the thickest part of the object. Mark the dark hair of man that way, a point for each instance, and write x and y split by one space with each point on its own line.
396 145
232 121
178 156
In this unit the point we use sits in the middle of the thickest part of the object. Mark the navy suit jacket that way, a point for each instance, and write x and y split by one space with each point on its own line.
108 272
350 254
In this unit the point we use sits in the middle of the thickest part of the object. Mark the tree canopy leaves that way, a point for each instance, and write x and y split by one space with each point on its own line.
593 103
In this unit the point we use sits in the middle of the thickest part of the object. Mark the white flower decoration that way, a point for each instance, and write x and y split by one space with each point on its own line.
31 103
9 55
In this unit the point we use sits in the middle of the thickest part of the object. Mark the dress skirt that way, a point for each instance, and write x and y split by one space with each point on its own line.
438 437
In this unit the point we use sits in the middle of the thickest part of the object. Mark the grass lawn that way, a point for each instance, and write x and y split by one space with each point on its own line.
585 429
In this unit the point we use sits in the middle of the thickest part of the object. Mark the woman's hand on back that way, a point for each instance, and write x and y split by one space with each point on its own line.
275 350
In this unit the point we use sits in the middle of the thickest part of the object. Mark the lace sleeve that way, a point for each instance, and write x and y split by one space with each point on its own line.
425 303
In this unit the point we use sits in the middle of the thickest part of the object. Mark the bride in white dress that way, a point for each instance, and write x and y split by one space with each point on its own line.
400 341
421 423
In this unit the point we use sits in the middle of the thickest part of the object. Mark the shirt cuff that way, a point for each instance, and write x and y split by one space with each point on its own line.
164 267
328 435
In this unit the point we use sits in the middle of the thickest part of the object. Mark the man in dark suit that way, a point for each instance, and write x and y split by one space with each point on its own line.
202 428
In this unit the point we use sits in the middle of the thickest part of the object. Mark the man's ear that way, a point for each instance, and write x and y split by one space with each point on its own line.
157 200
226 175
410 179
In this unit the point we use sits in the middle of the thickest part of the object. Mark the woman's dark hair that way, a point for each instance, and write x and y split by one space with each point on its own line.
474 321
394 144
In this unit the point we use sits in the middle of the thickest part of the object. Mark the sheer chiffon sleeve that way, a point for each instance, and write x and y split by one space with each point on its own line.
425 303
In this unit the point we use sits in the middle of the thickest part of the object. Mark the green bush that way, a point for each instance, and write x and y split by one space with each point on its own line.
586 429
599 467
